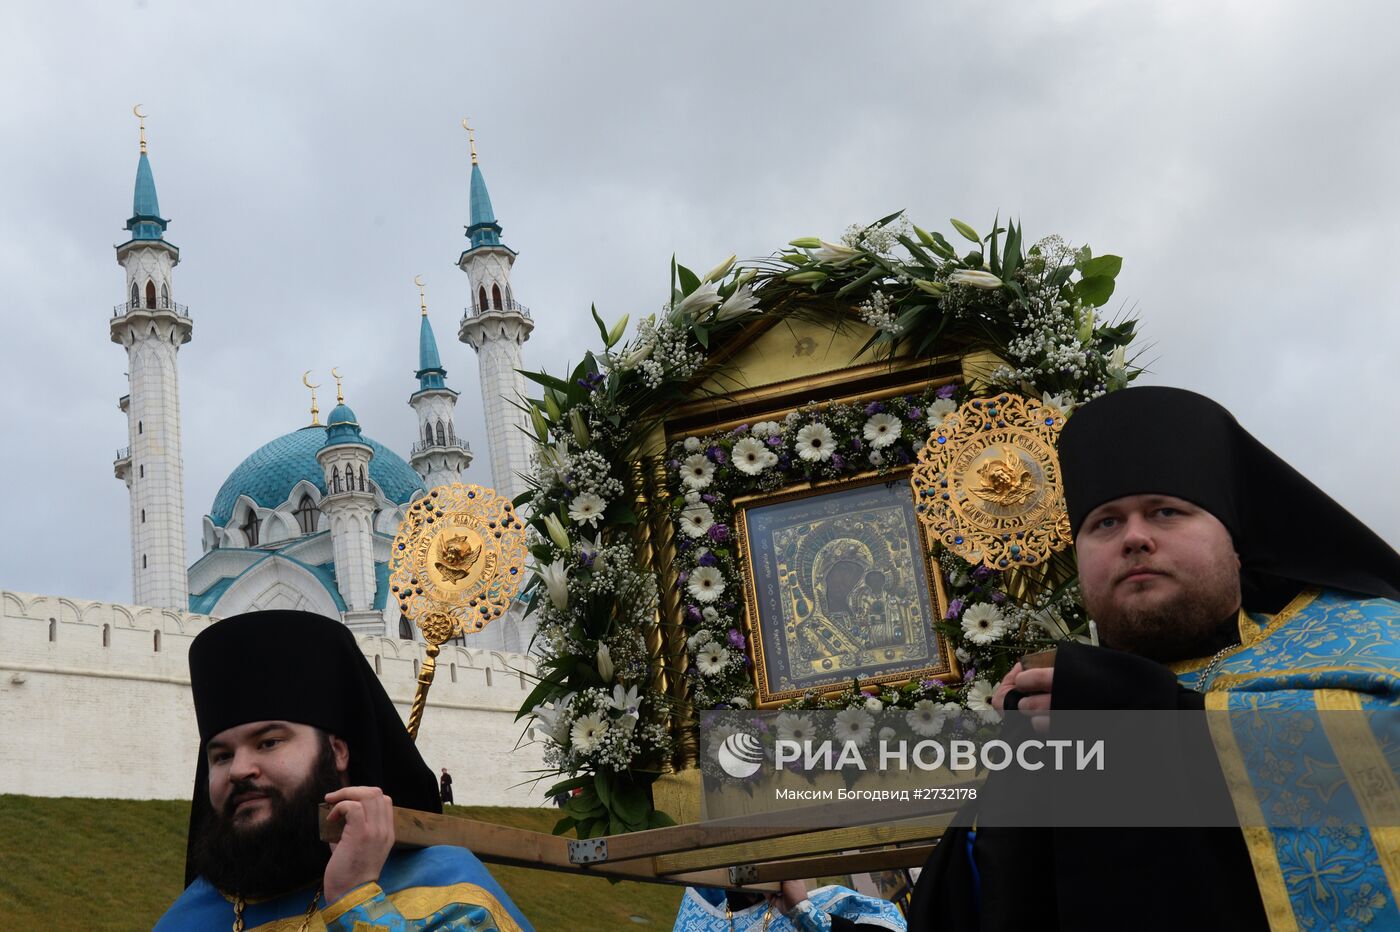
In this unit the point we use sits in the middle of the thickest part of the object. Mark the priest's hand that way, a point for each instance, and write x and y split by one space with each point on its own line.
365 841
1034 687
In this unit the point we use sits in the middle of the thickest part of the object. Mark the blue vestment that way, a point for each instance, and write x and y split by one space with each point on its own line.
442 887
1317 793
702 910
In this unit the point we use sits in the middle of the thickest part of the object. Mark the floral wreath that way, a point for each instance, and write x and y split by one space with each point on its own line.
604 726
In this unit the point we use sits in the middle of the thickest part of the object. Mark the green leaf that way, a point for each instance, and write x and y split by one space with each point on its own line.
1095 291
567 786
967 232
630 802
620 513
585 805
546 380
702 333
563 825
602 327
865 279
1105 266
658 819
689 280
996 256
1011 259
601 787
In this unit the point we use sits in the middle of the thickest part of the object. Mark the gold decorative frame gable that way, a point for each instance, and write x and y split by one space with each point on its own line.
764 631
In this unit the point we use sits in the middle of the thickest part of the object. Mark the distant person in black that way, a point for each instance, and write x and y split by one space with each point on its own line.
446 787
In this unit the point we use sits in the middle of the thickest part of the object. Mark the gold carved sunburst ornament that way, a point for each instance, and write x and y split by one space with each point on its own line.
458 560
988 483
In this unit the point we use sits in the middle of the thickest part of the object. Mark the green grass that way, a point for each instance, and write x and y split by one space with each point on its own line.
116 864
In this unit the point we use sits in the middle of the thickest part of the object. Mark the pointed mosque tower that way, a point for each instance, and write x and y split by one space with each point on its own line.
438 456
152 327
496 326
349 507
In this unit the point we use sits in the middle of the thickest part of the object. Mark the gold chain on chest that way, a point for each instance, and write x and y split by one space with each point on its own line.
239 904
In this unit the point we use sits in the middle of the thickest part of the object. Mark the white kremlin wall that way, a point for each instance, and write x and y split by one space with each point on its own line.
95 702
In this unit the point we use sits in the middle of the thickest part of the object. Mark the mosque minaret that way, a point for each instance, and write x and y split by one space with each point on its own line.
496 326
152 327
438 456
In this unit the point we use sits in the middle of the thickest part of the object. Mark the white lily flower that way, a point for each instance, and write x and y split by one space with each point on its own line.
628 701
740 302
556 580
719 271
605 664
974 277
555 527
699 300
834 253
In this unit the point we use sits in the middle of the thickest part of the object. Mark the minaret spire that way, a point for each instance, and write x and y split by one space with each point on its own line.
496 326
152 327
438 456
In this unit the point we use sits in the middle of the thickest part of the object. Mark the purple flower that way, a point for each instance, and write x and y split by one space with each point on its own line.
873 691
955 608
916 413
585 560
692 614
874 408
775 441
685 578
785 461
716 454
736 640
683 544
901 456
740 430
982 574
719 533
592 380
857 445
947 391
929 684
707 498
708 559
970 675
998 596
838 462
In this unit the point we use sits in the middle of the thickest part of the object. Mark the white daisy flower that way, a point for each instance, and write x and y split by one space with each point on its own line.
587 509
791 727
692 444
696 519
815 444
882 430
979 696
938 410
706 584
983 623
588 731
877 458
766 429
697 471
854 725
711 659
926 718
750 456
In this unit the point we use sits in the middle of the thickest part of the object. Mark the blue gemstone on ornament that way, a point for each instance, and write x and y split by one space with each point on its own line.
1003 562
471 495
942 439
513 571
1050 421
957 540
945 496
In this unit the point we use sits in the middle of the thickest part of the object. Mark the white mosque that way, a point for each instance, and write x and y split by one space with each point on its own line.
306 521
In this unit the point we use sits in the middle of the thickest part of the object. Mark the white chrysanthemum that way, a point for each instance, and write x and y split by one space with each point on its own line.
711 659
887 734
706 583
962 655
703 636
815 444
979 696
926 718
739 702
696 519
792 727
983 623
697 471
873 705
710 614
751 456
692 497
587 509
854 725
588 731
692 444
877 458
939 410
766 429
882 430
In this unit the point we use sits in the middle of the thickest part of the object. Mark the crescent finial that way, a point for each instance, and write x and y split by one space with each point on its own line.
471 136
418 280
339 394
315 412
136 111
305 381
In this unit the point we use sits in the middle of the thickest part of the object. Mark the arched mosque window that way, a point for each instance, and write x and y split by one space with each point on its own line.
307 514
250 528
164 295
481 304
362 478
150 293
135 296
496 296
441 434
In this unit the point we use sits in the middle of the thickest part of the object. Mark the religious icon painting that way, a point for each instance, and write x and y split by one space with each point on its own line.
841 587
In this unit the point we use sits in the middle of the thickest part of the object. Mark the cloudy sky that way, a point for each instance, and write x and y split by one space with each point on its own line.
1240 156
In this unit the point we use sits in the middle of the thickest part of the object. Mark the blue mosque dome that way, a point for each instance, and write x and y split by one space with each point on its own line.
341 427
270 473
